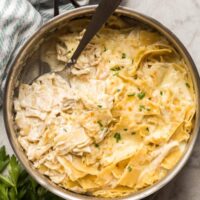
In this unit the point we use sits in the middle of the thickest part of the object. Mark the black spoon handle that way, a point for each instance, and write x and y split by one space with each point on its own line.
56 8
102 13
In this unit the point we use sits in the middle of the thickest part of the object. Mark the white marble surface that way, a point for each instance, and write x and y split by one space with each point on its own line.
183 18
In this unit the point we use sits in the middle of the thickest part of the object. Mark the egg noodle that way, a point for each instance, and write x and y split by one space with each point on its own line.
124 123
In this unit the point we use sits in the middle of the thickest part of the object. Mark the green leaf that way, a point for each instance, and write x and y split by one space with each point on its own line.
33 185
3 192
23 179
31 196
4 159
21 192
41 192
14 170
12 194
18 185
49 196
6 181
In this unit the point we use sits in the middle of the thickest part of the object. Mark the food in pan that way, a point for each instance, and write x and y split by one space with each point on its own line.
126 119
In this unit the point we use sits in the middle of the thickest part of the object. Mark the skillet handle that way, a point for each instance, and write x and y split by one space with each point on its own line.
56 6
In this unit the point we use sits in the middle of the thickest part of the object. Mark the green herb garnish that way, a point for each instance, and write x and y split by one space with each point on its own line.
118 90
100 106
131 95
141 95
135 76
115 69
129 168
161 93
141 107
100 124
65 129
116 74
117 136
123 55
188 85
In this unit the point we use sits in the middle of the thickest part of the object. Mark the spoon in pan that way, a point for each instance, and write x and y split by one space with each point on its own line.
102 13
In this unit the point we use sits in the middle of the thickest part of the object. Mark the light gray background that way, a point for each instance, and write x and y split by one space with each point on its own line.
183 18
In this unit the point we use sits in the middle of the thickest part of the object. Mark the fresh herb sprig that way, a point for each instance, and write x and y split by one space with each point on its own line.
16 184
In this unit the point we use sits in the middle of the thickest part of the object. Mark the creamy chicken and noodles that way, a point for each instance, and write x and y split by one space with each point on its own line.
125 121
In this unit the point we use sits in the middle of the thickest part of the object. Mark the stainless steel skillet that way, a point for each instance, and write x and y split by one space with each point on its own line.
28 56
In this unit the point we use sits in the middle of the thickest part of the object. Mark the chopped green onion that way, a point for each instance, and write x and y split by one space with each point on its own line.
100 106
161 93
141 95
117 136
